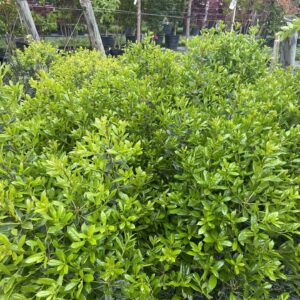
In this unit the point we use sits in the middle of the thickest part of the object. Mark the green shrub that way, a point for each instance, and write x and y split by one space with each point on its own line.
242 56
26 64
155 176
10 96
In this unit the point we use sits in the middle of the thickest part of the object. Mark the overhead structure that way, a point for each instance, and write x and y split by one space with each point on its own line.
94 33
206 13
26 16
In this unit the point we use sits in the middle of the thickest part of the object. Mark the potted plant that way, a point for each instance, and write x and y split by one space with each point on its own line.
81 29
51 25
107 39
172 40
45 24
195 30
21 43
119 40
167 26
130 38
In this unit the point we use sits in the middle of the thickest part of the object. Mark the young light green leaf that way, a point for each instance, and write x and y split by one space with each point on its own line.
212 282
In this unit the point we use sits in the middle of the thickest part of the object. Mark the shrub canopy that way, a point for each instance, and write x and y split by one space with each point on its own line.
158 175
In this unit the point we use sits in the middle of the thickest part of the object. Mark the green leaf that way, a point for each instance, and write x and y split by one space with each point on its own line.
60 254
70 286
272 179
212 282
284 296
54 262
245 235
9 285
46 281
27 225
4 269
18 297
226 243
44 294
4 240
54 229
88 278
103 218
77 245
129 278
35 258
21 242
73 234
232 297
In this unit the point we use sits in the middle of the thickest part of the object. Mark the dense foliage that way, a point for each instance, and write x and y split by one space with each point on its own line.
155 176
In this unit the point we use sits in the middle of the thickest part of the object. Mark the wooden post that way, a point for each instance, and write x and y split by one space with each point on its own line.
139 20
27 19
276 50
288 50
93 29
233 19
188 19
233 6
206 13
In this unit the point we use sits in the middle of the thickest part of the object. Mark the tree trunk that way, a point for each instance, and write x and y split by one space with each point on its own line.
139 20
233 20
288 50
27 19
188 19
93 29
206 13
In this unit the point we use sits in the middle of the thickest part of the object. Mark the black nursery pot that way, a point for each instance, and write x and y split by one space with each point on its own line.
2 51
108 41
128 31
116 52
21 44
131 38
2 54
66 49
168 29
55 34
172 41
195 31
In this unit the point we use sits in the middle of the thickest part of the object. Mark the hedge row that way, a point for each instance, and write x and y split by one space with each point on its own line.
158 175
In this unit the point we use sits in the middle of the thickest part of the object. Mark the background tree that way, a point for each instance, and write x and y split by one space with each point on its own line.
268 14
8 15
105 12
